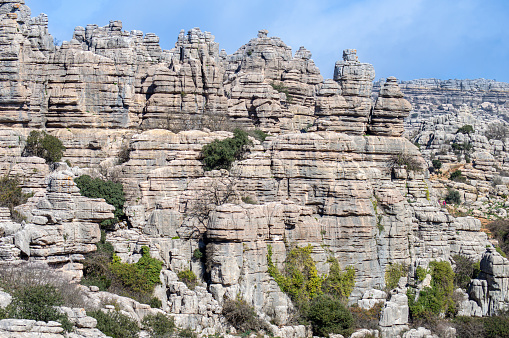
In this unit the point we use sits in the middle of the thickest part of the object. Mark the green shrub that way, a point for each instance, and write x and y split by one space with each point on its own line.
462 147
105 270
112 192
220 154
436 299
44 145
366 319
115 324
393 273
500 231
437 164
11 195
300 278
248 200
420 273
469 327
464 271
197 254
328 315
155 303
158 325
499 250
496 326
20 277
37 302
453 197
466 129
96 269
141 276
242 316
457 176
339 283
188 277
187 333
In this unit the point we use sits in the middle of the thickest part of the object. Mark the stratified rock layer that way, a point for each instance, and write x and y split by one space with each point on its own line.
334 173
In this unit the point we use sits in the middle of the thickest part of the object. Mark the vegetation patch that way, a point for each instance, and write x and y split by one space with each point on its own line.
485 327
437 164
105 270
11 195
393 273
281 88
405 160
436 299
258 134
37 302
113 194
329 315
453 197
188 277
115 324
457 176
158 325
462 147
367 319
466 129
44 145
141 276
500 231
464 271
220 154
316 297
242 316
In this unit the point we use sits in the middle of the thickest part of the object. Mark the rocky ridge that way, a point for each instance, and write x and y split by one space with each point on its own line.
327 175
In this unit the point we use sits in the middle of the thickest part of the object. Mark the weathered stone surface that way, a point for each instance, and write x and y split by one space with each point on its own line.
390 110
59 224
371 298
317 180
491 290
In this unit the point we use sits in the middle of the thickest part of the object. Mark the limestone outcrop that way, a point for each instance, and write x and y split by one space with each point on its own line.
390 110
490 290
334 171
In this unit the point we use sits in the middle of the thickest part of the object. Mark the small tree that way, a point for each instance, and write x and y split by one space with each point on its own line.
44 145
464 271
497 131
112 192
242 316
466 129
221 154
457 176
328 315
453 197
393 273
437 164
37 302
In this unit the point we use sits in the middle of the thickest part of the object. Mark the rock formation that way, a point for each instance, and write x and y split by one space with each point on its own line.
334 171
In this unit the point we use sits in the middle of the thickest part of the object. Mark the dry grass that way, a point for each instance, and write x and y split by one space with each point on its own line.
20 276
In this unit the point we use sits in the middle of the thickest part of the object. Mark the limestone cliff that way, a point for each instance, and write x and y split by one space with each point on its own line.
335 171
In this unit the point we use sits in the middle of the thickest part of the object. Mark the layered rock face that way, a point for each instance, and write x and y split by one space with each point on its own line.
108 78
487 99
334 172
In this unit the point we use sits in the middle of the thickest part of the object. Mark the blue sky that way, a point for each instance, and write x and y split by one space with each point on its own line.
409 39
